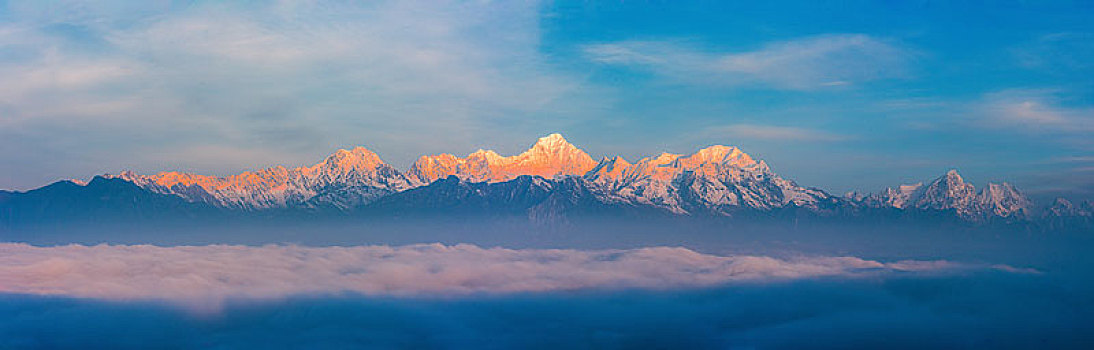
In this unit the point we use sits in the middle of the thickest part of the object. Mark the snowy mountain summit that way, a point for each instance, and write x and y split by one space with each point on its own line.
716 180
951 192
551 156
345 179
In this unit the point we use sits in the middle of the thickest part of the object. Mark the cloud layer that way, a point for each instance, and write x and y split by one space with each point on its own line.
210 274
981 309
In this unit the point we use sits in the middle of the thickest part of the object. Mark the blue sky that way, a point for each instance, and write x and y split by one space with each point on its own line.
838 95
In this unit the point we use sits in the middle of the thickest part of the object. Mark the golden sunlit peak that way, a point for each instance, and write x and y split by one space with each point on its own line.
485 154
615 160
354 150
552 143
358 150
719 154
551 139
356 158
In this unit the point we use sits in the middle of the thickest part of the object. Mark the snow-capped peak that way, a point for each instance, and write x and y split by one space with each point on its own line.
552 142
488 156
343 161
666 166
948 191
550 156
716 179
345 178
718 154
951 192
952 177
609 168
899 197
1003 200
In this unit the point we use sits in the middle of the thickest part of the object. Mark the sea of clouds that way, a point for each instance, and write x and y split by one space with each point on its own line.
209 274
466 296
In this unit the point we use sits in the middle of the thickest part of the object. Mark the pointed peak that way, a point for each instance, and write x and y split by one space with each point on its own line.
720 152
950 179
614 160
552 142
553 137
952 174
344 160
1062 202
357 151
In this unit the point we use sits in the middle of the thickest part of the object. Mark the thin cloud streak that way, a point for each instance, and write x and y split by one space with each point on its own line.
1034 111
811 63
774 133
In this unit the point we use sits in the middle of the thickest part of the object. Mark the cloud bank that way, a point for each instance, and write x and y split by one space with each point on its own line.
982 309
210 274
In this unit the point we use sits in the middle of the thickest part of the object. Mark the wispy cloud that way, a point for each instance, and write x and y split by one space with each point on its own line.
799 64
776 133
1034 111
206 275
1054 114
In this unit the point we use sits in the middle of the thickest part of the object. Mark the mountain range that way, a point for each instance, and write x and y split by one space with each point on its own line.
550 181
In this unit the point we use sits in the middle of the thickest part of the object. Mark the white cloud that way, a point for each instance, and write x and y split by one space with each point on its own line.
1034 111
203 276
800 64
777 133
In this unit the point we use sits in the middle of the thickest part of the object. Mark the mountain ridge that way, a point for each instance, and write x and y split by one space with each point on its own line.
951 192
555 179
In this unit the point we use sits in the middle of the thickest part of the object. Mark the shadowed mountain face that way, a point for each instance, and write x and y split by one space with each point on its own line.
99 201
552 182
